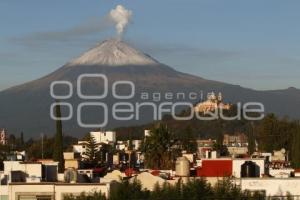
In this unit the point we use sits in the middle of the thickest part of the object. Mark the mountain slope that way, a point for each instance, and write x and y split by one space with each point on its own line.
26 107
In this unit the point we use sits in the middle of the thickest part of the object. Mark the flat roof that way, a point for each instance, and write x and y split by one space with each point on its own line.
248 159
221 158
55 183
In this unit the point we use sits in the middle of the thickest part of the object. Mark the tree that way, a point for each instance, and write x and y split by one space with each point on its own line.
22 138
219 147
4 150
128 190
12 142
222 149
91 150
58 143
21 142
130 145
167 191
251 139
86 196
34 149
295 151
225 189
267 131
187 140
197 189
159 148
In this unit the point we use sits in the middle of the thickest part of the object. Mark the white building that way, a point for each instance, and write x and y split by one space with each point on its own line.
272 186
50 191
80 148
106 137
238 162
124 145
30 170
24 180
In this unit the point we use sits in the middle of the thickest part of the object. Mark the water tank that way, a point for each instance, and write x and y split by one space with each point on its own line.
182 167
70 175
49 173
248 169
17 176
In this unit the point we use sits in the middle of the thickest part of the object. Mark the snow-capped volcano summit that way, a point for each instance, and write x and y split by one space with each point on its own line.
113 52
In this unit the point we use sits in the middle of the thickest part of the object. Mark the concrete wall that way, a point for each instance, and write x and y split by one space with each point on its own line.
272 186
280 173
15 191
55 191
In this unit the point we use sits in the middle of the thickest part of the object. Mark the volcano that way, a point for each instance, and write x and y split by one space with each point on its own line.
113 52
27 107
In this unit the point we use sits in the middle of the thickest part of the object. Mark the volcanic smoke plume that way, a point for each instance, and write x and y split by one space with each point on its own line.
121 16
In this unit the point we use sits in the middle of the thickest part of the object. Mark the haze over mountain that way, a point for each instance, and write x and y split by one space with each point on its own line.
27 107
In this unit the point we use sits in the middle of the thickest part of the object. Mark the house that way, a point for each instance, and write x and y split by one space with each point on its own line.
221 167
236 140
107 137
228 167
39 180
204 146
80 148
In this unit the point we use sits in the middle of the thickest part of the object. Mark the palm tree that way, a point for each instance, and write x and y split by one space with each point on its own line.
159 148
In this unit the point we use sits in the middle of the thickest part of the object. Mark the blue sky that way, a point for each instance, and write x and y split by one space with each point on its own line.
252 43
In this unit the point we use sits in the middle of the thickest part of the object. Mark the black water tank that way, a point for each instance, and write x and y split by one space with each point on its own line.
248 169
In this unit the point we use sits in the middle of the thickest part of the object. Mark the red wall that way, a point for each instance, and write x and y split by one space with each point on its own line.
215 168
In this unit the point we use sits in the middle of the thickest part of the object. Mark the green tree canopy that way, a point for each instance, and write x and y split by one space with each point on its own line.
159 148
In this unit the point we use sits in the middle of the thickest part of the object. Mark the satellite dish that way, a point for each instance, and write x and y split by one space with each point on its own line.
70 175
